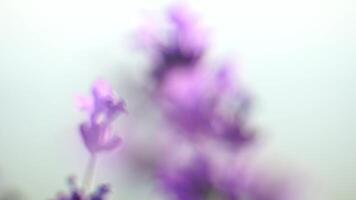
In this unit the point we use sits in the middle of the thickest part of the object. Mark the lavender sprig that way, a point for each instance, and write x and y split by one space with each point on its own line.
97 134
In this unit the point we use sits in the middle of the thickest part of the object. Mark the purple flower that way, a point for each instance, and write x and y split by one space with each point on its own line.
189 92
200 179
197 181
189 183
103 108
77 194
183 48
182 98
204 104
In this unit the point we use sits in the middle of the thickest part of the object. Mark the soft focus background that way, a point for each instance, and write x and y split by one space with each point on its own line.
297 58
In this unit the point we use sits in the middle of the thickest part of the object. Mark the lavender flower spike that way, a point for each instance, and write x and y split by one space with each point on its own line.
103 108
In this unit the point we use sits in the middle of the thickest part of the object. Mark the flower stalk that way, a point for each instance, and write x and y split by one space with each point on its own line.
89 173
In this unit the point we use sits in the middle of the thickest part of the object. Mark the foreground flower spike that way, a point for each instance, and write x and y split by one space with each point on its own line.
103 108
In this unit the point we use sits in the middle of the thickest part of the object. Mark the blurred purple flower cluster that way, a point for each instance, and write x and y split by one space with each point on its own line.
198 99
207 112
199 179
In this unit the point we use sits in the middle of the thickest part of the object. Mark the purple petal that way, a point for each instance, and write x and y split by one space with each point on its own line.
102 89
112 143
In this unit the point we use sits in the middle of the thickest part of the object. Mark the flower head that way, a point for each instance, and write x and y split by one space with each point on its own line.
183 48
189 91
102 108
77 194
201 179
207 104
197 180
